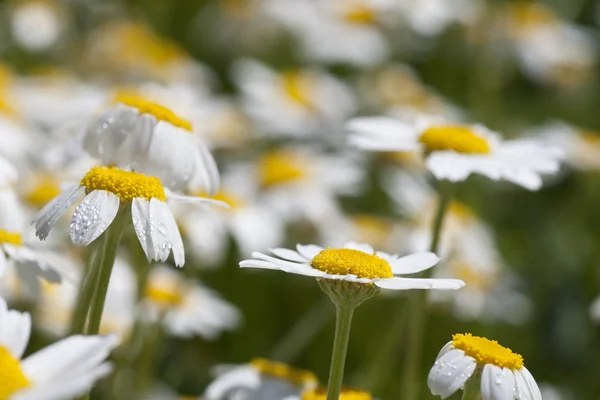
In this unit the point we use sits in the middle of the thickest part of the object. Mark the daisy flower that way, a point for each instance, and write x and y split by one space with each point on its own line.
294 102
357 263
63 370
432 17
259 379
108 190
151 139
37 25
484 366
454 152
189 308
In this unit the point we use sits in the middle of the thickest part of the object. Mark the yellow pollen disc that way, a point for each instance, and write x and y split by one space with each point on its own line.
461 210
279 370
164 296
227 197
360 14
160 112
355 262
297 87
346 394
13 379
42 193
457 138
11 238
486 351
124 184
279 167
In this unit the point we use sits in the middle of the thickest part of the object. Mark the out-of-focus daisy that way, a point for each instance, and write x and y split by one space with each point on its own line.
431 17
108 191
337 31
357 263
293 102
37 25
63 370
16 137
320 393
259 379
189 308
454 152
151 139
484 366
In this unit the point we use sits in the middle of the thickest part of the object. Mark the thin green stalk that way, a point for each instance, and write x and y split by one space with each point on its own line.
146 362
343 320
302 332
472 389
85 294
110 240
411 373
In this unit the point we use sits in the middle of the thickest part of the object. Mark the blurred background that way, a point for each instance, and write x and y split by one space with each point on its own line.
269 85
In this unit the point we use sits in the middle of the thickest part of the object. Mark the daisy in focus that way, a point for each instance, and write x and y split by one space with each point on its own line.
187 308
484 368
294 102
453 152
63 370
259 379
357 263
151 139
110 191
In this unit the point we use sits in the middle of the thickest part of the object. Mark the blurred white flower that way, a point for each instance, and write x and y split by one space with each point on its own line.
259 379
65 369
454 152
501 372
355 262
187 308
295 102
431 17
37 24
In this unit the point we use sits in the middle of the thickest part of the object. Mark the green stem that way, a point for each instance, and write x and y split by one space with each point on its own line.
147 359
411 373
110 240
472 389
343 320
86 291
302 332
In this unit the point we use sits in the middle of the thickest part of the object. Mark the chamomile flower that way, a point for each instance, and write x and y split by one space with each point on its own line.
454 152
188 308
357 263
151 139
431 17
495 370
294 102
37 24
63 370
108 190
259 379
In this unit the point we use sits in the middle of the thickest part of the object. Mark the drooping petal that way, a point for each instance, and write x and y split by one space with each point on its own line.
418 283
413 263
141 225
497 383
450 372
15 328
48 216
160 234
162 214
93 216
532 384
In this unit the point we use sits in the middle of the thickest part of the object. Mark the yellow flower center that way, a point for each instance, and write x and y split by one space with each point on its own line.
486 351
469 275
164 296
225 196
283 371
360 14
279 167
320 393
7 109
457 138
355 262
124 184
461 210
43 192
297 86
161 113
11 238
13 379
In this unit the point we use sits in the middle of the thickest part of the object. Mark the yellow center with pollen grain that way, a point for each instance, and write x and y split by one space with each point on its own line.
486 351
279 167
297 86
124 184
355 262
164 296
42 193
161 113
13 379
279 370
457 138
346 394
11 238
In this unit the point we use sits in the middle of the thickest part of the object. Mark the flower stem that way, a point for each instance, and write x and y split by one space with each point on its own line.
107 254
411 374
343 320
472 389
86 291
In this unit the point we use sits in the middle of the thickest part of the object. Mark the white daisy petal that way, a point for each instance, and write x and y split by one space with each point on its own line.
160 234
497 383
160 211
140 216
532 384
196 200
93 216
208 166
15 328
290 255
308 251
450 373
417 283
365 248
413 263
259 264
48 216
3 262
